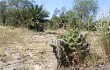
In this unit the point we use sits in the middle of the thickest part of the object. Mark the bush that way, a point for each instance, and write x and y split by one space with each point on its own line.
71 49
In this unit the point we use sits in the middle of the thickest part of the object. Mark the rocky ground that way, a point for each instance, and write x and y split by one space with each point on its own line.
28 51
21 49
37 55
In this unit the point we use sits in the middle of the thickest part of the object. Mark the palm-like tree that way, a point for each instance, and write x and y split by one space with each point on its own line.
36 15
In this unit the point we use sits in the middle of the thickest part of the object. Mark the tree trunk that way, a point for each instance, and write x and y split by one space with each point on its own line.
4 20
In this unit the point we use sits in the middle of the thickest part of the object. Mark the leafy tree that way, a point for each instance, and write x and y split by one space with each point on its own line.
56 12
15 11
58 16
55 19
62 13
54 22
84 9
10 10
70 17
23 13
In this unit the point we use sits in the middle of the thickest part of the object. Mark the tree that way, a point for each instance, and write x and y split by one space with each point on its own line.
23 13
56 12
35 16
58 17
62 13
3 6
70 17
16 10
84 9
10 10
55 19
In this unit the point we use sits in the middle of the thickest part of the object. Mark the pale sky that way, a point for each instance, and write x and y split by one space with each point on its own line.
50 5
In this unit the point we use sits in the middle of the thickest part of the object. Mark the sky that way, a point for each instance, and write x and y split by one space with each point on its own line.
51 5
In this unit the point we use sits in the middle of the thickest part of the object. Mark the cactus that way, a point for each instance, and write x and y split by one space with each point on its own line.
75 48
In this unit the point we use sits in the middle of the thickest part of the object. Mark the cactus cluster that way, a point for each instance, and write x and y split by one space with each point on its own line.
73 49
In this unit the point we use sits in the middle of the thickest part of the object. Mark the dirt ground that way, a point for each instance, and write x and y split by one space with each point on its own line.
26 51
21 49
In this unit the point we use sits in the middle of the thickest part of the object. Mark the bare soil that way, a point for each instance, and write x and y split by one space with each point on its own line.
21 49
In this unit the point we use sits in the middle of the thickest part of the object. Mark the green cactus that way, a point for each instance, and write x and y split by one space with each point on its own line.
75 47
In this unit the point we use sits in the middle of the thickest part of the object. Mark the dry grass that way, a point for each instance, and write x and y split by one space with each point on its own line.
10 37
20 46
97 48
105 44
8 41
22 40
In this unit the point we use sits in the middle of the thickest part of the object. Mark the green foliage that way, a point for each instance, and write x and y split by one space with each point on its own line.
72 20
54 22
75 48
36 15
57 17
3 11
81 16
85 10
23 13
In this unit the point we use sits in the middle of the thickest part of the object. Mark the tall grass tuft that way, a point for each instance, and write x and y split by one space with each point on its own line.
103 30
